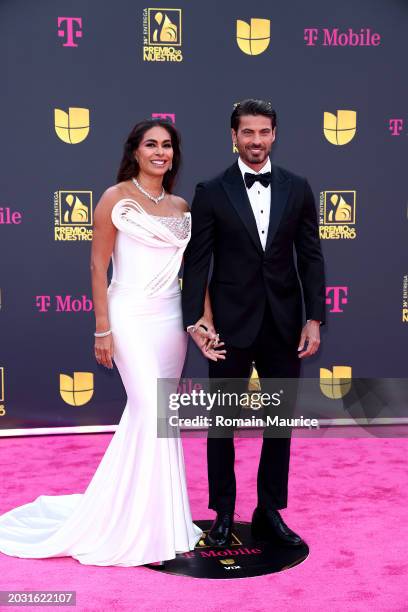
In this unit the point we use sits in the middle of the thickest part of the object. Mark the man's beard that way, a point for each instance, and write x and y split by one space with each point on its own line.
256 159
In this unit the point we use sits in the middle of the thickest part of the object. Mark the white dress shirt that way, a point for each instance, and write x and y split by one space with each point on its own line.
260 199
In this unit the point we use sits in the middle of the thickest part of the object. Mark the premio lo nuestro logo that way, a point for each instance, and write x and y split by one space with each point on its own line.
162 35
253 38
337 215
341 127
405 299
78 389
337 383
73 215
72 127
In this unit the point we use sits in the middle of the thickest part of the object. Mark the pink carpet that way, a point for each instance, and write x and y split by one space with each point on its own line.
348 499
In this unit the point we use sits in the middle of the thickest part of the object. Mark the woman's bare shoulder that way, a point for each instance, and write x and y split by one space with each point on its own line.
112 194
179 203
107 201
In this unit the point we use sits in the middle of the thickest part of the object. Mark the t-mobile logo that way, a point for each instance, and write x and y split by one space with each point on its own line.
336 297
69 30
396 126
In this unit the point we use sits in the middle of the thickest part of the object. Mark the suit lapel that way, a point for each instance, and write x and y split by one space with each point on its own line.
280 186
234 186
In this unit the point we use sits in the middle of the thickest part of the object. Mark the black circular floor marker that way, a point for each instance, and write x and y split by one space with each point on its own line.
245 557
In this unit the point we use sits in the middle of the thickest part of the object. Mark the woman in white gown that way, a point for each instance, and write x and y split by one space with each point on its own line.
135 510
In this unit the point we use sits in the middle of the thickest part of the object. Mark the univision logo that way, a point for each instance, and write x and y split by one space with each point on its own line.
253 38
72 127
77 390
337 383
341 127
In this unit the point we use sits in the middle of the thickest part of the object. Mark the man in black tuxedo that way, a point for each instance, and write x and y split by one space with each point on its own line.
249 219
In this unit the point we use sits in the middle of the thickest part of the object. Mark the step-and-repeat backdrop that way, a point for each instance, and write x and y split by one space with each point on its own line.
78 75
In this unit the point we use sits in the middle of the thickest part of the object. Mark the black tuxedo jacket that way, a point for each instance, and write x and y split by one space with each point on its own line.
245 277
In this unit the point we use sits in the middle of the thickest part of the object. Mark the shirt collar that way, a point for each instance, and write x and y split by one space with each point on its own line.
244 168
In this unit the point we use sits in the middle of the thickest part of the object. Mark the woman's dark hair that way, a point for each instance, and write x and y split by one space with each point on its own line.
129 167
252 107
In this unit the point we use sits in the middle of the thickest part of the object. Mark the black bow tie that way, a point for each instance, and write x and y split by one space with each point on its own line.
250 178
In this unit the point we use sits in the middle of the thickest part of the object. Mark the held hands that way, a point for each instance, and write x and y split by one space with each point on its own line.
311 334
104 351
204 335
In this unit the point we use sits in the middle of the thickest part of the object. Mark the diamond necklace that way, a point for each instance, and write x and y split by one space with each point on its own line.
155 199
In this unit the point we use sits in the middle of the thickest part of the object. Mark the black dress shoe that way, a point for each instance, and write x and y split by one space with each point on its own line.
221 530
269 526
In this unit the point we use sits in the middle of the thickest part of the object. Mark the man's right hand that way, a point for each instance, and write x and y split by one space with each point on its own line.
206 338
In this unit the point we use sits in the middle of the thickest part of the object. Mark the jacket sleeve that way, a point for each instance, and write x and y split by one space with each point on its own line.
197 257
310 261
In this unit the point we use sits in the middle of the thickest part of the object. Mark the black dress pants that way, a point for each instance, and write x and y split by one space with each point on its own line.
273 358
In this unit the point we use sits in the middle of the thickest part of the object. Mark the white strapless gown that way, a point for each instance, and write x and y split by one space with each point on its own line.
135 510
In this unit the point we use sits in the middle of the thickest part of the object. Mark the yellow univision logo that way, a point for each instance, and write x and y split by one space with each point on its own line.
72 127
337 383
253 38
340 129
77 390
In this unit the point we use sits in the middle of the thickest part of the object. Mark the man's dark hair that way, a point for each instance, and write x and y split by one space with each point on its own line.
252 107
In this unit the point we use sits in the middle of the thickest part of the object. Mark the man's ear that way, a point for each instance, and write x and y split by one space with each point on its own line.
233 136
274 134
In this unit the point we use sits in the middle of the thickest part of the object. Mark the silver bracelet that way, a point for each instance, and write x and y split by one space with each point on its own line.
102 334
